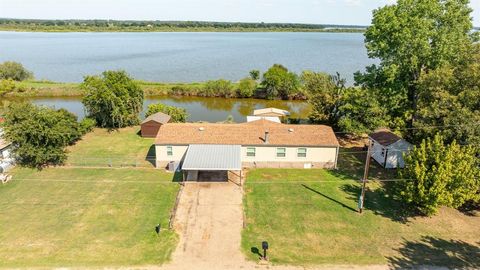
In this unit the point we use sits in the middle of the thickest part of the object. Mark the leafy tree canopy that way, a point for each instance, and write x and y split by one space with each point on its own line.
411 37
178 115
439 175
113 99
40 134
14 71
279 82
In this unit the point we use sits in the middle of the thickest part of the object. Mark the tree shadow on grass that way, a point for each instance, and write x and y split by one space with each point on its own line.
380 202
432 251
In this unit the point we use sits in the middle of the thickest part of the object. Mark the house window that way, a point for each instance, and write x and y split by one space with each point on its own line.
281 152
302 152
169 151
250 151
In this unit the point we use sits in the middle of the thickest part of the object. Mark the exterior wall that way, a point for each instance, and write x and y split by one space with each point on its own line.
150 129
391 156
265 157
395 154
163 159
378 152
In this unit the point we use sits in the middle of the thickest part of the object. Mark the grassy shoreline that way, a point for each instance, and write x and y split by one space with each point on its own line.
62 89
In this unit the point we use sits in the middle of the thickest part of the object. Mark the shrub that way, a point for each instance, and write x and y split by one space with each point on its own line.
246 87
439 175
14 71
218 88
6 86
178 115
87 125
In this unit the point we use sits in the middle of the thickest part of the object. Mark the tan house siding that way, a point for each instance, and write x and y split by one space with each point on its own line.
265 156
178 152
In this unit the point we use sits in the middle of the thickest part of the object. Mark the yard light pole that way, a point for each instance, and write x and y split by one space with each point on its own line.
265 247
361 200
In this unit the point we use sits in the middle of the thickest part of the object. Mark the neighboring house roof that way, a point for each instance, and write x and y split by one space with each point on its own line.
269 118
252 133
158 117
385 137
271 112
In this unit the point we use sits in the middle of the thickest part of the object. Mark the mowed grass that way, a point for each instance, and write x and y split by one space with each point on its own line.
117 148
77 216
310 217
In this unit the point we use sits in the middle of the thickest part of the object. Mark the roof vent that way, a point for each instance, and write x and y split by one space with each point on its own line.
290 130
201 129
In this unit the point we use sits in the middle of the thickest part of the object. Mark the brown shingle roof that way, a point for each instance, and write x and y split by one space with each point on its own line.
158 117
385 137
251 133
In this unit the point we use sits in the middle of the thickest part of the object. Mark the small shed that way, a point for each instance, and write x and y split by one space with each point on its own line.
388 148
151 125
271 112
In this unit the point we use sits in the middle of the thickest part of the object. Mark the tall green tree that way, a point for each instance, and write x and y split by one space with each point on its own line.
279 82
39 134
360 112
439 175
450 98
411 37
113 99
324 93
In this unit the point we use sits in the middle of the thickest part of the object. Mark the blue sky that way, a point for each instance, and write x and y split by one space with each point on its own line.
302 11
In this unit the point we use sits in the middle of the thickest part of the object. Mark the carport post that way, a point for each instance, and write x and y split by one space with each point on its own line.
240 178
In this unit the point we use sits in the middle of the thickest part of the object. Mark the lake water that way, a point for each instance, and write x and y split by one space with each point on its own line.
199 109
182 57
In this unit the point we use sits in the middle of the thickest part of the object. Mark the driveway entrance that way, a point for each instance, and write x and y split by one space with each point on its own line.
209 221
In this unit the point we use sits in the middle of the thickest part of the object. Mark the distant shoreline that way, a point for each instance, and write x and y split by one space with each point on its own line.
180 30
62 26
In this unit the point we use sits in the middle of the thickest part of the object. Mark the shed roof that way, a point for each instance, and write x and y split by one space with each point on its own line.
385 137
251 133
158 117
271 112
269 118
203 157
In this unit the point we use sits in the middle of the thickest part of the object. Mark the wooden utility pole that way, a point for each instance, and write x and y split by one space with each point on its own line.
365 177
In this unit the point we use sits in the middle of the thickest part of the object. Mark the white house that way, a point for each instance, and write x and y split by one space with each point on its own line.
231 147
6 162
388 148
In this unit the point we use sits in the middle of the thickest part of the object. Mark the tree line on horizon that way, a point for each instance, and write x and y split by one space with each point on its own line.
73 23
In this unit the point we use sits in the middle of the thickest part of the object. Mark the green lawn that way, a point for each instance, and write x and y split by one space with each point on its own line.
309 217
88 216
104 148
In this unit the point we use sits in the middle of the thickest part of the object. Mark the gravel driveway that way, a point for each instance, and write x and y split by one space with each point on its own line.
209 221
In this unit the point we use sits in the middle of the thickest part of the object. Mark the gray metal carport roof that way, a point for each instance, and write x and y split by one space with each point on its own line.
213 157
